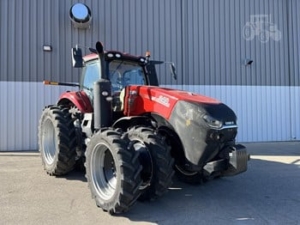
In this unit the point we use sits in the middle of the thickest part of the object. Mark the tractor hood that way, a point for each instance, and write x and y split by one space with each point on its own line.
152 99
203 124
184 95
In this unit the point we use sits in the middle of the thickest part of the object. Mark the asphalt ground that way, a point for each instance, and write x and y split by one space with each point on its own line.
268 193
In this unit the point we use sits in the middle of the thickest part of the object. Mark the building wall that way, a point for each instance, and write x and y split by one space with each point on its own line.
203 38
215 51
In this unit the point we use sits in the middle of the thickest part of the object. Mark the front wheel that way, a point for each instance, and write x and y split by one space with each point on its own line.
112 171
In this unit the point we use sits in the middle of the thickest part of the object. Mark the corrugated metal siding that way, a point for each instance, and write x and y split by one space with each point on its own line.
294 58
22 104
262 111
202 37
133 26
216 49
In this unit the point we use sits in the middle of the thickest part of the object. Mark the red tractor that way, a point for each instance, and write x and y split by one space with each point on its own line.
132 135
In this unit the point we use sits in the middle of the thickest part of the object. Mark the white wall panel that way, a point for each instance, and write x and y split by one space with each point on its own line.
21 107
271 115
263 111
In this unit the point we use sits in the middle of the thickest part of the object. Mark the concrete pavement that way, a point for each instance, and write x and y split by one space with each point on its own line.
268 193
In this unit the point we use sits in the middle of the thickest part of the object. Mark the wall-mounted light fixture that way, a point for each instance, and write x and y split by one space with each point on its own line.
80 15
248 62
47 48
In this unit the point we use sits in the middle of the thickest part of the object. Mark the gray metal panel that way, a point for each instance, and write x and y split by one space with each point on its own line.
294 48
216 50
133 26
203 38
294 37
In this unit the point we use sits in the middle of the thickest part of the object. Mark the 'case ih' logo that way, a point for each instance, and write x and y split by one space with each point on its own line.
162 100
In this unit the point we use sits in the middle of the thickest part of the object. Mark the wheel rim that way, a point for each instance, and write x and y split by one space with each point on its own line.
247 32
48 141
264 37
103 172
145 160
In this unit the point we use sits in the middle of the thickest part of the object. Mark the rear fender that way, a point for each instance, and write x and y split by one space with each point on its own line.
78 99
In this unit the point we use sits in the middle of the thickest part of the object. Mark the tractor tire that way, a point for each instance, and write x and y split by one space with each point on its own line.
57 140
156 160
112 171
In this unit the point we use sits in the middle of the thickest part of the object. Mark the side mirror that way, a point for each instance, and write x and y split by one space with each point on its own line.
77 60
173 71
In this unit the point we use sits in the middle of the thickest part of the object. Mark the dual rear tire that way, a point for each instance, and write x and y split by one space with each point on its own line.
57 140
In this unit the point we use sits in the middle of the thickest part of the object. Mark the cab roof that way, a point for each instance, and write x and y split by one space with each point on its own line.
115 55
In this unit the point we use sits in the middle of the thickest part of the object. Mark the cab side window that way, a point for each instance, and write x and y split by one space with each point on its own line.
91 74
135 76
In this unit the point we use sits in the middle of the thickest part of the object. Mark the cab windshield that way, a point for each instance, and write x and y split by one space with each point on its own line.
123 73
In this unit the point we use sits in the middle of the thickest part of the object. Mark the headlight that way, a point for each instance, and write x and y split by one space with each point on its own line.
212 122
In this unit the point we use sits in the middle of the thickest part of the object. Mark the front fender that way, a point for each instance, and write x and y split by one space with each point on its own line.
129 121
79 99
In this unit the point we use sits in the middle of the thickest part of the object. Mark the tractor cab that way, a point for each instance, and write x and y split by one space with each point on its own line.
120 73
120 69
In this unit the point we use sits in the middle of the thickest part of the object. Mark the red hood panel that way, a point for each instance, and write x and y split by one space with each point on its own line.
188 96
177 94
145 99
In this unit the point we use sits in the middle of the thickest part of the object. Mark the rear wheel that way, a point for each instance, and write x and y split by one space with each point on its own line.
112 172
57 140
156 160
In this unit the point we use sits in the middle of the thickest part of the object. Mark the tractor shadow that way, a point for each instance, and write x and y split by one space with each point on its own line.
291 149
76 174
268 191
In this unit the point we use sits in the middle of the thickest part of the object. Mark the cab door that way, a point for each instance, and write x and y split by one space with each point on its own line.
152 74
90 74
